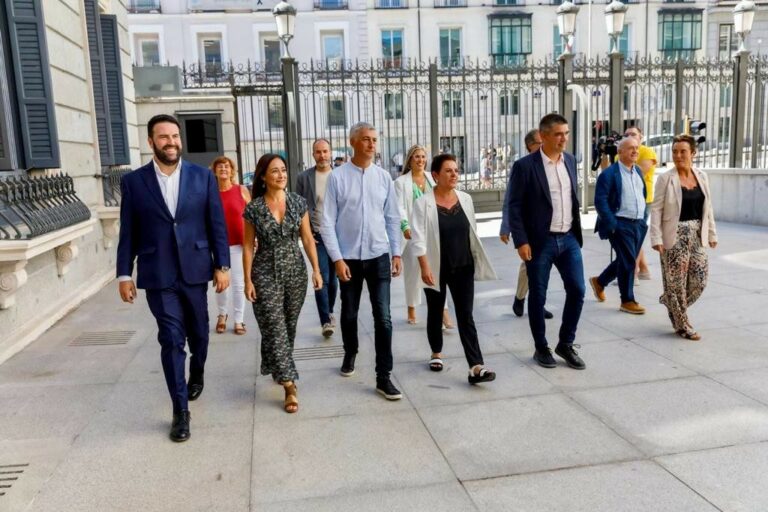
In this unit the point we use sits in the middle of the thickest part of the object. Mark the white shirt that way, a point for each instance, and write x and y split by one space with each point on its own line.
169 188
560 191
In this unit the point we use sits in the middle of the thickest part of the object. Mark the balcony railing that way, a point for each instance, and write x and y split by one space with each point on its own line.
329 5
143 6
110 182
391 4
502 3
31 207
450 3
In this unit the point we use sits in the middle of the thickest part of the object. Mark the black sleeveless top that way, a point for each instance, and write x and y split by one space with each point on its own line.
454 237
693 204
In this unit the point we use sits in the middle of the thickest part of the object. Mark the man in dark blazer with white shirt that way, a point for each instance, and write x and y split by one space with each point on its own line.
172 225
543 209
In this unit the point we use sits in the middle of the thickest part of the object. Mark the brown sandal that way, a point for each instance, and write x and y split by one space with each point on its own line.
291 404
688 335
221 323
240 329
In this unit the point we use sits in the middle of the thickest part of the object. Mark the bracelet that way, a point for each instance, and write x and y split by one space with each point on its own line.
404 226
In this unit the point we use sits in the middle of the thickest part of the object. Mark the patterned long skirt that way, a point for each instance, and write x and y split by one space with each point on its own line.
684 273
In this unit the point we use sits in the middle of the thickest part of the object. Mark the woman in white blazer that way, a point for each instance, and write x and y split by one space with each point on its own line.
451 256
682 225
413 183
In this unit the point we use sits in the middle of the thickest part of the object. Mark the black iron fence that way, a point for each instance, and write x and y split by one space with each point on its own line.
482 112
110 183
31 207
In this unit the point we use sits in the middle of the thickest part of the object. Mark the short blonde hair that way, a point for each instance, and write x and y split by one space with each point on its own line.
225 160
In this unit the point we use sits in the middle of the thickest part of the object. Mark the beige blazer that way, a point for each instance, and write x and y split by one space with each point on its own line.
425 237
665 210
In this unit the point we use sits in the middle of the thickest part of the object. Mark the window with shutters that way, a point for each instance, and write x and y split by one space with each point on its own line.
107 76
28 137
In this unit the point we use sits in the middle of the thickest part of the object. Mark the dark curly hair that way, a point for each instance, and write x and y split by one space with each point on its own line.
259 186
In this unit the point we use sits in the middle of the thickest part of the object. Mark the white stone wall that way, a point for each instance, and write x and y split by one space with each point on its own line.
46 296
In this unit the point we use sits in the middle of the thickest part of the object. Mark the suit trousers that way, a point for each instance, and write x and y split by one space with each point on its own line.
377 276
562 251
181 312
461 282
626 240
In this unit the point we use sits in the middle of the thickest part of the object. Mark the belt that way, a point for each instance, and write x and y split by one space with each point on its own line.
557 233
626 219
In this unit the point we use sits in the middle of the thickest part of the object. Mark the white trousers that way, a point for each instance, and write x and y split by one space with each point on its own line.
235 294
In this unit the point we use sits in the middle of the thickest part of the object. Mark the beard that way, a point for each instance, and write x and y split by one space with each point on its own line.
163 158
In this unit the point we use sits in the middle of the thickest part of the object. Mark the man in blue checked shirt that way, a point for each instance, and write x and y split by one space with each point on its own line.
361 232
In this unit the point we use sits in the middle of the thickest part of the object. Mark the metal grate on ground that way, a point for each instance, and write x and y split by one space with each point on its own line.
99 338
9 474
322 352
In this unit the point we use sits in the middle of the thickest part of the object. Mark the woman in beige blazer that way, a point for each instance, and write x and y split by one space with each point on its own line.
411 185
451 256
682 225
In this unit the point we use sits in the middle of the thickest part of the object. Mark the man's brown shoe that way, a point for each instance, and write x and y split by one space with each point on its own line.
633 308
599 290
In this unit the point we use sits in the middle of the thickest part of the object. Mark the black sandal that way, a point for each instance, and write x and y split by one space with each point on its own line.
436 364
484 375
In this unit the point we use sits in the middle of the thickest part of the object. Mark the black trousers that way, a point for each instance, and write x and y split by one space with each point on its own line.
461 282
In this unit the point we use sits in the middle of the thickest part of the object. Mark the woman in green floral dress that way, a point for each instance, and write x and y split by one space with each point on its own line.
276 275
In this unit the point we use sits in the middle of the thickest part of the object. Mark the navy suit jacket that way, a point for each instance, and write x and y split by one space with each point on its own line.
186 247
608 198
529 203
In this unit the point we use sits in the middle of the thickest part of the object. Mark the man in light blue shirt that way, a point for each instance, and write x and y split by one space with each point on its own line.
620 205
361 232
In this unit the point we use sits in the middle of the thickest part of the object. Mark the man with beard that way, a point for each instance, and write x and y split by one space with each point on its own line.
172 223
311 185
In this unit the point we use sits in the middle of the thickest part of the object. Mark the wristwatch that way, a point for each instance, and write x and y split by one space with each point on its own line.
223 269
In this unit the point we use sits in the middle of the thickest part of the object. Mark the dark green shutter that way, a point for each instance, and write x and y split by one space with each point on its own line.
98 76
114 87
29 53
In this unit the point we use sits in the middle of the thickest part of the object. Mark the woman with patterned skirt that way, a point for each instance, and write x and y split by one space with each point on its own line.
682 225
276 275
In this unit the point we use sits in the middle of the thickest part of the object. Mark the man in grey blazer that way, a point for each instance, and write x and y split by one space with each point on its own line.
310 185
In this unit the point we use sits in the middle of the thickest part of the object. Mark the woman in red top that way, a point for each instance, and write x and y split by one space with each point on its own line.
234 197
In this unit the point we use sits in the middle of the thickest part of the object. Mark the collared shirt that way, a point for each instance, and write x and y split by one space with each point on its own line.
361 218
560 191
169 186
632 198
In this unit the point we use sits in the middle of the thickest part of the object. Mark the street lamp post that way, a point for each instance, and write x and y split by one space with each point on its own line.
566 24
743 16
614 20
285 17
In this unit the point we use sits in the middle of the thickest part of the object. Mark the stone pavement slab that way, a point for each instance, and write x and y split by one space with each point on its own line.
521 435
678 415
630 487
732 478
344 455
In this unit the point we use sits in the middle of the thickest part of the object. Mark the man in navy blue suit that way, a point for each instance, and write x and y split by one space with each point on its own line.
621 218
543 210
172 224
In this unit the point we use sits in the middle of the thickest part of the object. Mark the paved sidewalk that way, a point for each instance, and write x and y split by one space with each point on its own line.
654 423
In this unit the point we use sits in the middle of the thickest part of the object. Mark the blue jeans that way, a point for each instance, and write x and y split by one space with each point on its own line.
626 240
564 253
377 276
325 297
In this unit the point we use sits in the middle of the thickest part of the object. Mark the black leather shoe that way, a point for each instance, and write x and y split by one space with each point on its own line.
548 314
544 358
348 365
518 306
180 427
568 352
195 387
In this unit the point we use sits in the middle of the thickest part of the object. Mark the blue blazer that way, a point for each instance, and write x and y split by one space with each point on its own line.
608 198
528 203
187 247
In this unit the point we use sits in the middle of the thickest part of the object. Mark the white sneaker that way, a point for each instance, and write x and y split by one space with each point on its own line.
327 330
